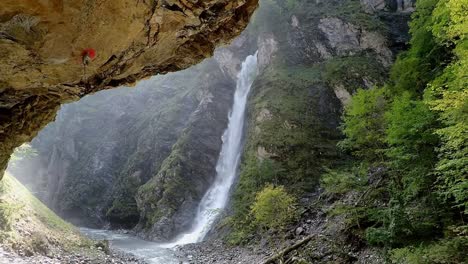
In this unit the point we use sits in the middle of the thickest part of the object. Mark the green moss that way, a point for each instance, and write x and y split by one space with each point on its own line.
162 195
353 12
351 71
124 209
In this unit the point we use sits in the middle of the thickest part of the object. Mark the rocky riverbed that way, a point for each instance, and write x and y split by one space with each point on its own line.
114 257
216 252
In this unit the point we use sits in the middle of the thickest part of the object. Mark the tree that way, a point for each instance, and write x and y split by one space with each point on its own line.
448 96
364 124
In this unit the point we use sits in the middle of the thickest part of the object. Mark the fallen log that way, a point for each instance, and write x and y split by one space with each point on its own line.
288 249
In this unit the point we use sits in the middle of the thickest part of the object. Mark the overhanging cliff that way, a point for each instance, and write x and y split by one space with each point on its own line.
43 46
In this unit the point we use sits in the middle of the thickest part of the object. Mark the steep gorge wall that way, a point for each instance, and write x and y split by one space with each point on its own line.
313 56
311 61
42 44
100 150
168 201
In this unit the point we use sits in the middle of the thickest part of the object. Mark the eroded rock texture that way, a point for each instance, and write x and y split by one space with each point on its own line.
42 43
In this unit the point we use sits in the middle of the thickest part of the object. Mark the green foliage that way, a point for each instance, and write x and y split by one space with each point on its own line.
7 214
274 208
446 251
450 23
342 181
353 215
447 95
350 71
239 236
255 176
420 135
410 123
402 223
411 143
378 236
416 67
364 124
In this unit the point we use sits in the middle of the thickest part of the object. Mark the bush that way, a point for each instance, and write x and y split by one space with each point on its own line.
342 181
445 251
377 236
274 208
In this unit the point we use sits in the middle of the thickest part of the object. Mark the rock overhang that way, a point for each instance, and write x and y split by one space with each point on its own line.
44 44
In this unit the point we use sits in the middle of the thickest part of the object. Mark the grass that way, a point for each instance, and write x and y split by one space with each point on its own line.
28 225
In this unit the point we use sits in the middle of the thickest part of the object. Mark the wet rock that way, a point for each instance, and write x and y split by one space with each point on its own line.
299 231
348 39
268 46
174 193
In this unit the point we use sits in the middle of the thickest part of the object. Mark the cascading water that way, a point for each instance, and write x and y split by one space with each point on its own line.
217 196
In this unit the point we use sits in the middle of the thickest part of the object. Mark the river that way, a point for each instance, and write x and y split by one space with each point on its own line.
151 252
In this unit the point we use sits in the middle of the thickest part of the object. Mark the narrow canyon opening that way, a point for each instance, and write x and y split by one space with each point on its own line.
169 132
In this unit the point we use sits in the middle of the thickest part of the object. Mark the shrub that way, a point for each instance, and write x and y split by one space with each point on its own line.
342 181
377 236
444 251
274 208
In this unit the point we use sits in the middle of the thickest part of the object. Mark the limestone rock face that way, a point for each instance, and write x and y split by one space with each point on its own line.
372 6
42 45
230 57
267 47
347 39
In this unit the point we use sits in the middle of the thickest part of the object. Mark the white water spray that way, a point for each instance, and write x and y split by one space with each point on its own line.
217 196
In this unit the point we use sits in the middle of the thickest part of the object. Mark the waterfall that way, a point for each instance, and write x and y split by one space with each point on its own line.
216 198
